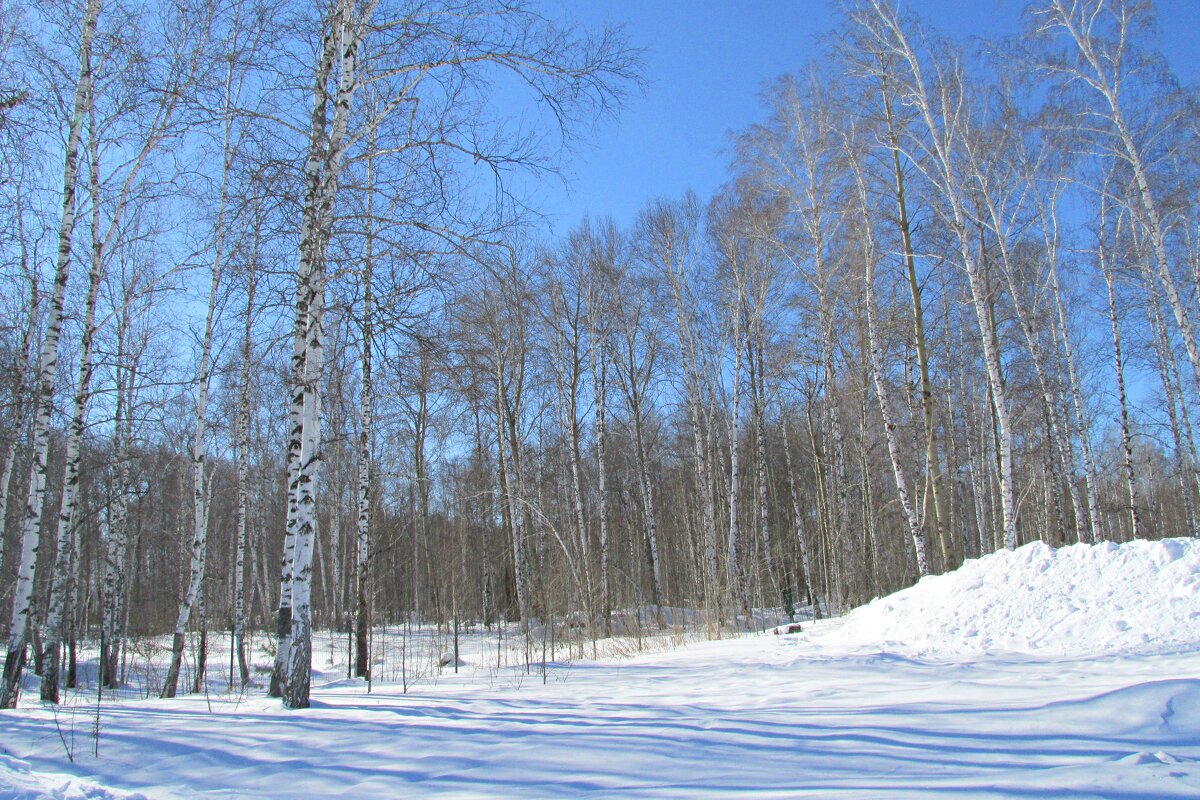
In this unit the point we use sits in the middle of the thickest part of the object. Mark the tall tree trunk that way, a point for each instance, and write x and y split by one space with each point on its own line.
31 525
1176 410
944 139
1122 395
759 395
362 611
322 170
117 541
798 521
676 264
875 356
600 378
1062 456
243 465
1077 404
510 480
55 605
310 253
738 590
200 488
840 515
20 403
1104 72
651 519
934 479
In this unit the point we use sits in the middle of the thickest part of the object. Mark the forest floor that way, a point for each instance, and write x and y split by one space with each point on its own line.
1035 673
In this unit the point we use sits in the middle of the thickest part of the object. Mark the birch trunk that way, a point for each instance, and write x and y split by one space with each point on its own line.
200 433
362 619
934 479
1122 395
875 354
242 532
840 516
20 404
243 466
309 253
19 627
673 229
322 167
1165 358
759 395
509 447
576 455
647 492
733 570
600 377
798 521
882 22
55 605
117 541
6 472
1103 73
1056 426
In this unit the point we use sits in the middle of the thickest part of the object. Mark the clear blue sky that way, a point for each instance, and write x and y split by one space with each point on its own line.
705 63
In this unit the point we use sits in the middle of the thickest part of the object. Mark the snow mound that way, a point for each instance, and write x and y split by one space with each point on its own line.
1140 597
19 782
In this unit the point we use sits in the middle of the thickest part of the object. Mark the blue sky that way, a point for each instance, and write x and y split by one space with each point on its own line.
705 64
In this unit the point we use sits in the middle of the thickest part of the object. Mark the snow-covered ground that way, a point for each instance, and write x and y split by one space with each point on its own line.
1036 673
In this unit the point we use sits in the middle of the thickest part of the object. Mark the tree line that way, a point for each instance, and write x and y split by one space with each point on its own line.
284 345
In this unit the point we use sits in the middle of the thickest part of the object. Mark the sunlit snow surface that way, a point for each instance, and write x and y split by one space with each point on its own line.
1037 673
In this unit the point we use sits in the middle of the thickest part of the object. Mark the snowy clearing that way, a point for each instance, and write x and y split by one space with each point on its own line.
1038 673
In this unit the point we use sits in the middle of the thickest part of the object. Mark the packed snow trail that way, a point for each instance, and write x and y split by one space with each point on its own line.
832 712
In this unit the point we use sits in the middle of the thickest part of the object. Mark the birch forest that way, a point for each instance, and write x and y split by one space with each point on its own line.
286 343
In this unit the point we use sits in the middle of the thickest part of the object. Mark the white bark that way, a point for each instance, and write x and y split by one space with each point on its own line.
509 457
362 665
1103 69
738 589
1122 395
635 365
798 521
116 538
600 380
56 602
1176 411
672 230
759 396
20 412
242 438
31 525
938 113
1077 404
882 392
648 510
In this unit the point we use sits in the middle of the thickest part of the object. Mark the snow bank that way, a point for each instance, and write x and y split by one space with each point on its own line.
1139 598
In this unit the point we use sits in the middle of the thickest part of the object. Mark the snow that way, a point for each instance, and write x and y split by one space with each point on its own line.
1139 597
19 782
1035 673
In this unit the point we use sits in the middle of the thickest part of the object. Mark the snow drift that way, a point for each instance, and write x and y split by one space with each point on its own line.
19 782
1140 597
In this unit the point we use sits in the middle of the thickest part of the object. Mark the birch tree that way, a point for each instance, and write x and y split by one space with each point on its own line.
19 625
870 256
671 241
938 102
1100 57
232 86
